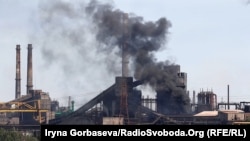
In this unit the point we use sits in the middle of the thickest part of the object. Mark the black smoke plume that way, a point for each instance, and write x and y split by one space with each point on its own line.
113 29
142 39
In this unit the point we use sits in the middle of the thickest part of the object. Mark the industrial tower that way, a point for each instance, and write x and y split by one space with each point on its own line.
125 73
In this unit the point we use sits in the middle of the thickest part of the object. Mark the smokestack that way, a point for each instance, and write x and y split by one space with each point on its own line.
228 97
18 72
125 57
193 97
69 103
29 69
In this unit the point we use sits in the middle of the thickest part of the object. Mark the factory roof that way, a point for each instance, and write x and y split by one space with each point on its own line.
215 113
232 111
206 114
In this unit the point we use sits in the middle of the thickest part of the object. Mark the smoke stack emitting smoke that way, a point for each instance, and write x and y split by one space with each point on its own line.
96 32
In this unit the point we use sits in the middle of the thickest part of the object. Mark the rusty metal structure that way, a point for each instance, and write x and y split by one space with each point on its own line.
108 104
122 82
207 101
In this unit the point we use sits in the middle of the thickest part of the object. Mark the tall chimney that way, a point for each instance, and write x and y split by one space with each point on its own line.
125 57
193 97
29 69
18 72
228 107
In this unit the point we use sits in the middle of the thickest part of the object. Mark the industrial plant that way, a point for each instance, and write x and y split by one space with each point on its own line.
121 104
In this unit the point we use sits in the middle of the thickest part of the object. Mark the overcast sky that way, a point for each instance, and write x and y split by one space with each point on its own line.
209 39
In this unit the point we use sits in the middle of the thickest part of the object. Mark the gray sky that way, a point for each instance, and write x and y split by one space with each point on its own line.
209 39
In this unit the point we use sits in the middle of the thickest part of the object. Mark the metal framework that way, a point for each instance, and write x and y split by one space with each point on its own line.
24 107
124 102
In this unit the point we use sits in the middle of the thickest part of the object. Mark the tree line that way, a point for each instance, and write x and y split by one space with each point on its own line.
12 135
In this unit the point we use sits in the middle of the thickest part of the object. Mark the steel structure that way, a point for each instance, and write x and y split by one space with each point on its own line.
24 107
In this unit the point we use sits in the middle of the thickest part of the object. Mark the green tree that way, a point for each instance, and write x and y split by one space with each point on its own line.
12 135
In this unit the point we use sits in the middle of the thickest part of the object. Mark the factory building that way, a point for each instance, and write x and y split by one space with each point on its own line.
207 101
31 108
121 103
166 102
